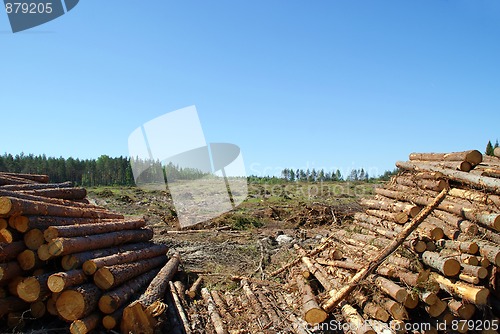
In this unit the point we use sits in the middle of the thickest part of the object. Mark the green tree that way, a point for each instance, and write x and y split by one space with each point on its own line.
489 148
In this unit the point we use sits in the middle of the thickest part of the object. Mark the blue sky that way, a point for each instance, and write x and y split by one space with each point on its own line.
334 84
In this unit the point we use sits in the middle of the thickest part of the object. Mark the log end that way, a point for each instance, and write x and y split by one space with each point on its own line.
401 217
5 205
56 247
56 283
451 267
315 316
43 252
70 305
481 297
136 320
89 267
104 279
27 259
109 322
21 223
107 304
474 157
29 289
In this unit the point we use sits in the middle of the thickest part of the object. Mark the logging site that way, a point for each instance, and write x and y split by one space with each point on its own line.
419 253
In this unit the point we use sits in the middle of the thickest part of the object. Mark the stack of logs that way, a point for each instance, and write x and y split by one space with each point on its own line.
61 256
444 275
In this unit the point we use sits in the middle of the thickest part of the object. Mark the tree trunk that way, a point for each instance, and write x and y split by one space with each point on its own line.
460 309
39 178
212 312
9 179
9 270
376 311
64 246
436 309
12 304
472 294
13 206
28 260
193 290
60 281
30 201
33 239
391 289
397 217
38 309
424 184
25 223
112 300
70 231
357 324
387 204
313 314
490 251
32 289
37 186
455 221
473 156
141 316
111 321
476 196
11 250
86 324
61 193
78 302
76 260
461 246
339 296
446 266
109 277
428 297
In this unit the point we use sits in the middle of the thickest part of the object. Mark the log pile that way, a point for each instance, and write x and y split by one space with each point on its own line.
426 249
61 256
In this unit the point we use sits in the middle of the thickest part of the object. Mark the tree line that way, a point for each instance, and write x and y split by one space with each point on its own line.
490 148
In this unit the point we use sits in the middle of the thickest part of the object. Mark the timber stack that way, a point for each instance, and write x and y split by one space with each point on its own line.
62 256
425 249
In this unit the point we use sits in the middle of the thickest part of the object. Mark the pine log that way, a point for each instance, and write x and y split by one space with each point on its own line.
397 217
472 294
36 186
111 321
376 311
461 246
33 288
454 221
476 271
490 251
221 304
9 179
11 250
43 252
12 206
60 281
446 266
61 193
25 223
141 315
460 309
113 300
391 289
70 231
30 201
109 277
6 236
213 313
29 260
463 166
387 204
356 322
436 309
473 156
411 301
76 260
484 233
255 304
476 181
451 233
193 290
78 302
476 196
376 221
428 297
64 246
91 266
38 309
39 178
12 304
3 223
339 296
9 270
425 184
313 314
33 239
268 308
85 325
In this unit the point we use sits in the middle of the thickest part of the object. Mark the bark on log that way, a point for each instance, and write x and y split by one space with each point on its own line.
85 325
460 309
28 260
376 311
78 302
397 217
473 156
331 303
391 289
25 223
357 324
13 206
468 247
33 239
30 201
212 312
76 260
476 181
113 300
447 266
454 221
109 277
39 178
221 304
476 271
12 304
32 289
472 294
436 309
490 251
91 266
387 204
11 250
424 184
313 314
9 179
141 315
476 196
9 270
193 290
111 321
64 246
61 193
70 231
37 186
256 306
60 281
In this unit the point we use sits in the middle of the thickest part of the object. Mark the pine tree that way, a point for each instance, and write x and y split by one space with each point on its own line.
496 144
489 148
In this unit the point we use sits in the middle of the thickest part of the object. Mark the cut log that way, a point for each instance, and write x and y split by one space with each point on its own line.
60 281
36 186
447 266
12 304
411 301
490 251
11 250
109 277
387 204
33 239
39 178
455 221
6 236
473 156
141 316
78 302
461 246
392 289
85 325
313 314
9 179
3 224
221 304
475 195
428 297
70 231
61 193
32 289
475 271
29 260
91 266
25 223
476 181
460 309
179 309
12 206
193 290
339 296
356 322
9 270
254 302
111 321
76 260
425 184
112 300
376 311
436 309
43 252
213 313
472 294
64 246
397 217
38 309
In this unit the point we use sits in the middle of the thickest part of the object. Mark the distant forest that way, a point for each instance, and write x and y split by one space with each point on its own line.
108 171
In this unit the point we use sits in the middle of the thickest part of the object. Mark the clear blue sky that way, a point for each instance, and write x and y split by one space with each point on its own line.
335 84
